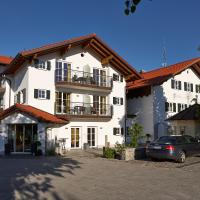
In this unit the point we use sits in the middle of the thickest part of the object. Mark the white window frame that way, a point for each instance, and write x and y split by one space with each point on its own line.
40 95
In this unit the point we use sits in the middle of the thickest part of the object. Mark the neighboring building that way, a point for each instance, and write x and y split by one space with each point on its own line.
161 93
187 121
73 92
4 62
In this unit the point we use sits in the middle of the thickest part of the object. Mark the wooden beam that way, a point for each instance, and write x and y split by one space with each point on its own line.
87 45
98 50
65 49
106 60
114 58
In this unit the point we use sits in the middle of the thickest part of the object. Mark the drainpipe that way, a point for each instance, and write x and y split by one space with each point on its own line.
9 82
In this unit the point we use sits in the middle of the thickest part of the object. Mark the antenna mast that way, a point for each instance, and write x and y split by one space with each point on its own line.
164 55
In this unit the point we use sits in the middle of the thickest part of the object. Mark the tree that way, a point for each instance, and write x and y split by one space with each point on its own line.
136 132
131 5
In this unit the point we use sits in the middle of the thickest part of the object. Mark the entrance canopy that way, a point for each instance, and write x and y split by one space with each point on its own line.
40 115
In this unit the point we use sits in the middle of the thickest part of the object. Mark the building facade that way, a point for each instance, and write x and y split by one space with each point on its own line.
72 92
162 93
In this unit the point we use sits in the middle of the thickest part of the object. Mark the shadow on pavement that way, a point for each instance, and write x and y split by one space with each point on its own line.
26 177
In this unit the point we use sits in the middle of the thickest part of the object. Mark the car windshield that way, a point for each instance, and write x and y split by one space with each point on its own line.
166 140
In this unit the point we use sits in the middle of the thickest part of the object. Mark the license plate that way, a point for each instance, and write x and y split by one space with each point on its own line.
156 147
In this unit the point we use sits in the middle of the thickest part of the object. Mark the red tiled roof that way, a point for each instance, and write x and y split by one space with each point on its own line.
5 60
158 76
95 43
34 112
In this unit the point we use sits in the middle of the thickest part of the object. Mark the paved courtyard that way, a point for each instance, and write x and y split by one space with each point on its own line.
86 176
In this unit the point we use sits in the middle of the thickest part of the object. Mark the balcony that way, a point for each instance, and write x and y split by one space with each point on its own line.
84 110
84 80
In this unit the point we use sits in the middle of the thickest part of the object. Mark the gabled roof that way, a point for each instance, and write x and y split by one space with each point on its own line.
5 60
190 113
34 112
91 41
158 76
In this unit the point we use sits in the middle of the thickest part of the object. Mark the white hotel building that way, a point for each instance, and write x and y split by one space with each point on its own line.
162 93
72 91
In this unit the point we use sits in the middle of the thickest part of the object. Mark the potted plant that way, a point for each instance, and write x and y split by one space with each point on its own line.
136 133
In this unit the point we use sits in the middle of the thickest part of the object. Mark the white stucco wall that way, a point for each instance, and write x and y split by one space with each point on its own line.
142 107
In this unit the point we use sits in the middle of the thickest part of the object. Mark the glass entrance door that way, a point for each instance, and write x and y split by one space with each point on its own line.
19 138
75 137
91 136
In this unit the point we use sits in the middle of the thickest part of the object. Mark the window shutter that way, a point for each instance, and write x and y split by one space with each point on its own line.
121 78
121 101
114 131
48 65
35 93
122 131
196 88
114 100
191 87
24 95
36 62
48 94
15 98
179 85
18 97
172 83
114 77
179 107
185 86
174 107
166 106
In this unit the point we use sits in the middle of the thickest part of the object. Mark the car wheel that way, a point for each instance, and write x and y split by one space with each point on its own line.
181 157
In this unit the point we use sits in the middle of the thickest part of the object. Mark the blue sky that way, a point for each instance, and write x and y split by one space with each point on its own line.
138 38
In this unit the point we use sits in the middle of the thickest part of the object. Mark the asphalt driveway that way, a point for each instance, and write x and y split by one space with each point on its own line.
80 176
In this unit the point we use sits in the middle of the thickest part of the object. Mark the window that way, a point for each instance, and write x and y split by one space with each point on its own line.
63 71
197 88
20 97
188 87
173 107
116 131
41 94
118 101
63 103
176 84
115 77
40 64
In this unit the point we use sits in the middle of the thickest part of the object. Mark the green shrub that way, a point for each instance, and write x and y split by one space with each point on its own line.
119 148
136 132
109 152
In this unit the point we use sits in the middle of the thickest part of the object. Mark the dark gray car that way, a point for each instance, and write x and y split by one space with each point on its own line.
175 148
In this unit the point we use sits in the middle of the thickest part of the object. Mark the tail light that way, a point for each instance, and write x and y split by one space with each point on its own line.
170 148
